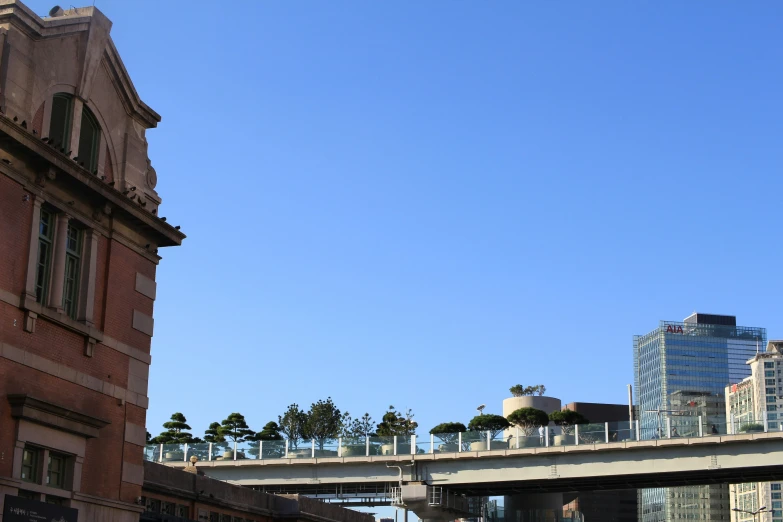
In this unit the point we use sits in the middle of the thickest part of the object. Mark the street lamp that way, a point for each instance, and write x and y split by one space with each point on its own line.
754 513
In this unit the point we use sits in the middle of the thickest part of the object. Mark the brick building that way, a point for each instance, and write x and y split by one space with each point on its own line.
79 234
173 495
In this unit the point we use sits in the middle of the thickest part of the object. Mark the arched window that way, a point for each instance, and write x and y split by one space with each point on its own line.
60 125
88 140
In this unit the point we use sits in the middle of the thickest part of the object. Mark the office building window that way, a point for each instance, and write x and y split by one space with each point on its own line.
31 458
73 256
44 265
769 364
775 487
771 398
770 382
60 124
88 141
772 407
770 391
57 501
56 470
776 496
769 373
773 425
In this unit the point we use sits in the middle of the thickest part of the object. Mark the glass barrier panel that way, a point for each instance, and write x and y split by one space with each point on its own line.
712 427
381 445
403 445
245 450
621 431
354 446
152 452
594 433
272 449
446 442
326 448
200 450
684 426
500 441
562 435
422 444
300 449
222 451
173 453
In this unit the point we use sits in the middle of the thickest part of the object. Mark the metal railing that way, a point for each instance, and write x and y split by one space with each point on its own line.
470 441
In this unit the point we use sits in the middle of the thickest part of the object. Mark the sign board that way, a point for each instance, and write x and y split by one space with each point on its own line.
673 328
18 509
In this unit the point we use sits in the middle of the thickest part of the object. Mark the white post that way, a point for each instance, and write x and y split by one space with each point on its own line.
432 443
339 446
186 452
312 448
516 428
730 431
413 444
668 427
235 450
489 440
395 445
366 445
701 428
210 452
459 442
638 434
606 431
546 434
160 457
576 434
260 449
766 422
286 448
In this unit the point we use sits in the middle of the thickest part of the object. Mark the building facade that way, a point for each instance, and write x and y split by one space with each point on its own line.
79 232
756 400
173 495
681 370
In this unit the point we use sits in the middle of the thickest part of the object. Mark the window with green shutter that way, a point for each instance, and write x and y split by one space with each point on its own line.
88 141
44 262
73 254
60 124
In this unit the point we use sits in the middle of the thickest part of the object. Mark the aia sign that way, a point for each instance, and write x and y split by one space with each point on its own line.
673 329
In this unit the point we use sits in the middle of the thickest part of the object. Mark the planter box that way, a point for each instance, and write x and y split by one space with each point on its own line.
402 449
565 440
355 450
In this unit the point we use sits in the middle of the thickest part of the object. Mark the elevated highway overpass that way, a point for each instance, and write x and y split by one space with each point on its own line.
587 467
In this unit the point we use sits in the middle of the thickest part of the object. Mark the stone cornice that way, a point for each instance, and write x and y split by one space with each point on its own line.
26 407
163 234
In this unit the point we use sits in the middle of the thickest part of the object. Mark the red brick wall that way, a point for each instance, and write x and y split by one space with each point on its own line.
15 221
121 296
103 463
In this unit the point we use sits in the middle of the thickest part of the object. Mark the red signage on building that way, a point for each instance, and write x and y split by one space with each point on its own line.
673 329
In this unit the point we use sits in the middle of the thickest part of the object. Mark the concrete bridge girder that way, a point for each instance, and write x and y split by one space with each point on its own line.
755 457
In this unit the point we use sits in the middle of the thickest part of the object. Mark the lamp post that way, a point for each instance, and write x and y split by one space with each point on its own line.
754 513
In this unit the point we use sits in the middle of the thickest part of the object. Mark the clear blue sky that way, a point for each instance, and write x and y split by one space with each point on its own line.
424 203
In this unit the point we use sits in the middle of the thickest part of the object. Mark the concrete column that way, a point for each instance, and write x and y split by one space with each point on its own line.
32 254
87 278
58 267
76 127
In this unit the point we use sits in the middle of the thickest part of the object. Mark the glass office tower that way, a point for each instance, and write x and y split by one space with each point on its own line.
681 370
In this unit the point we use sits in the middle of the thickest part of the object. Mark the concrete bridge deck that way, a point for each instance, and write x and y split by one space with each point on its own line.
586 467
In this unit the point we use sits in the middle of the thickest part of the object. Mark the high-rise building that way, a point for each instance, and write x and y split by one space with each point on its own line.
681 370
750 404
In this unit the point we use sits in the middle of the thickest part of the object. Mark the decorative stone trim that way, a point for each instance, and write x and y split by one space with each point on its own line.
66 373
26 407
143 322
145 286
